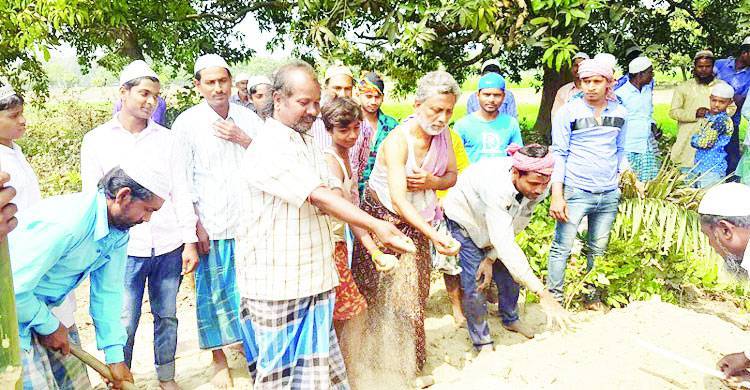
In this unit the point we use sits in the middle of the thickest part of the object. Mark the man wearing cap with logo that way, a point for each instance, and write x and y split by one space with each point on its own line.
637 97
508 105
215 134
242 97
488 132
493 201
259 88
690 103
736 72
162 250
371 91
725 219
59 242
588 142
339 81
567 91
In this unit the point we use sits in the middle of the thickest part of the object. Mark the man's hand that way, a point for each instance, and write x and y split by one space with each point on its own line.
446 245
57 340
558 208
556 314
120 373
391 237
190 258
419 180
701 112
733 364
8 210
204 245
228 130
484 274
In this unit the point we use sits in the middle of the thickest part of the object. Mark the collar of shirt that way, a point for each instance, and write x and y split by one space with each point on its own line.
101 225
13 150
213 116
115 125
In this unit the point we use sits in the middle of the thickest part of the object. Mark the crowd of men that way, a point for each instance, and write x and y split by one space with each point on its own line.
293 217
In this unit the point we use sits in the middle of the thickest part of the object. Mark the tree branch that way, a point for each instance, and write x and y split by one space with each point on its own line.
241 13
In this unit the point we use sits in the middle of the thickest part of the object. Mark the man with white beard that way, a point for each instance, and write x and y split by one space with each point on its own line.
725 219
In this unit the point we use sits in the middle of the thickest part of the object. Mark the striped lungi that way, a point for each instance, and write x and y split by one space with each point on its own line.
297 346
646 165
47 369
217 299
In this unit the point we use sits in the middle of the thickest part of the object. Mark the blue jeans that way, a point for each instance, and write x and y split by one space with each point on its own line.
163 275
601 210
473 301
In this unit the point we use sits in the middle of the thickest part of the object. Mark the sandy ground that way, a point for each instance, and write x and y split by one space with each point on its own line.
603 352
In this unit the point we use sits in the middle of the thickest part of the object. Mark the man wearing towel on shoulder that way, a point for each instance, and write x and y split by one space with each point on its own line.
485 216
725 219
63 240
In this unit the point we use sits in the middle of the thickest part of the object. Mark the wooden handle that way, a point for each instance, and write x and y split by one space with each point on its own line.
98 366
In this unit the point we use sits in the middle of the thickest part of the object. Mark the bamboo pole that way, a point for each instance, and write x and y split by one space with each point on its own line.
97 365
10 351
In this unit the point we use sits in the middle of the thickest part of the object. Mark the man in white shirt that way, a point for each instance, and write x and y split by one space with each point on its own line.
285 243
215 134
725 219
164 249
491 203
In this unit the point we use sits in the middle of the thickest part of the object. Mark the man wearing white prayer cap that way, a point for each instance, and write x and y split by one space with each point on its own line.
242 97
637 96
216 134
713 135
260 88
163 249
573 88
59 242
131 74
725 219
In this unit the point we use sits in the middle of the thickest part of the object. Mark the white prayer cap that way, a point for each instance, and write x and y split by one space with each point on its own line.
722 90
258 80
746 41
6 91
141 169
490 62
582 55
726 200
338 70
607 59
136 70
241 77
638 65
209 61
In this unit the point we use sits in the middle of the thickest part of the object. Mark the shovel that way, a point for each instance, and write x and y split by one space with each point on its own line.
98 366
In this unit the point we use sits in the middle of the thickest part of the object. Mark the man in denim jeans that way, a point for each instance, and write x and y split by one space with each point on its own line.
588 138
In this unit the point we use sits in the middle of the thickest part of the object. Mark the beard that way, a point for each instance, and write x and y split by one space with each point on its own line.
428 127
704 79
304 124
732 264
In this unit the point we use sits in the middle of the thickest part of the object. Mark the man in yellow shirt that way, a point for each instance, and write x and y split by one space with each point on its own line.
690 103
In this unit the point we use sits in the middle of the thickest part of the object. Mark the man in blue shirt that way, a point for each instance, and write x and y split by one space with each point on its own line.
637 97
488 132
62 240
588 141
736 72
508 105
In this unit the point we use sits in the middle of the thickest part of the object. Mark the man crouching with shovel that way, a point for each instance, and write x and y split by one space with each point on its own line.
58 243
725 219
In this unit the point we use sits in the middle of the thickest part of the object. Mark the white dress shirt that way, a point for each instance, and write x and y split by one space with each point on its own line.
284 244
214 165
106 146
485 203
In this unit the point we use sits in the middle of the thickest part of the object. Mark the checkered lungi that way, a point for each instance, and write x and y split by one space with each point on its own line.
646 165
297 346
46 369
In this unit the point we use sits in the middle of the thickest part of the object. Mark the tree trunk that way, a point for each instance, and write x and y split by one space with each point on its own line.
10 352
130 47
551 82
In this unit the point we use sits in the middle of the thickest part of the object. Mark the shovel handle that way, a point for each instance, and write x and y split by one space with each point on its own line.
97 365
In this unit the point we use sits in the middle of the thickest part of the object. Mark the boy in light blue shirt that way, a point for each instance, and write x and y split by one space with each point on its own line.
487 133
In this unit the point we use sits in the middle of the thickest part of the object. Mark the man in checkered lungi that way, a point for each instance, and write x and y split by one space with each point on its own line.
285 264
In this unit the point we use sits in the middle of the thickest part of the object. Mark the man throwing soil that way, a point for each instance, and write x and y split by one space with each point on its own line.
485 215
725 219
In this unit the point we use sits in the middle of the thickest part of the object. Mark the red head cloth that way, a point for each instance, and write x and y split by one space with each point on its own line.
522 162
595 67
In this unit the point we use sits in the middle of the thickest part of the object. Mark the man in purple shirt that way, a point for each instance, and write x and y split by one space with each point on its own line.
736 72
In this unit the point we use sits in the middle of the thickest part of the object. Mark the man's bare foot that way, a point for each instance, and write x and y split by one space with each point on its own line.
221 377
458 317
520 328
169 385
485 349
